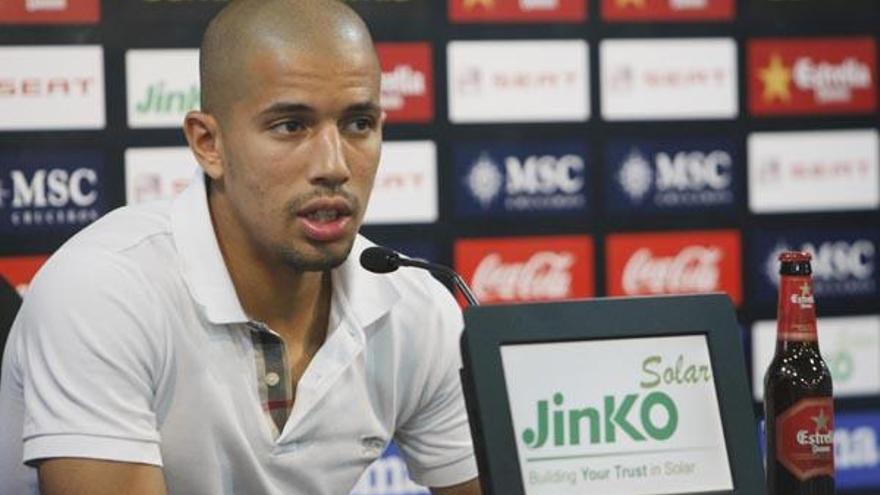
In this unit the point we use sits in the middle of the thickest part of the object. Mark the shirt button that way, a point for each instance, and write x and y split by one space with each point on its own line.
272 379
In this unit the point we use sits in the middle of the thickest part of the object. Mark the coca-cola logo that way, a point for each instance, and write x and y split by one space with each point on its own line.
693 269
520 269
654 263
545 275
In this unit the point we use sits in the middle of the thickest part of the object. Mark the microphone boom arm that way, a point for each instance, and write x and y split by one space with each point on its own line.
444 272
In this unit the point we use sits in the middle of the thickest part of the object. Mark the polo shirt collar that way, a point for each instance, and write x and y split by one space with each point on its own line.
204 269
365 296
359 294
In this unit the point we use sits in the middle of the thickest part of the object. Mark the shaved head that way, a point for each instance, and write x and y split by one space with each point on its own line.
323 28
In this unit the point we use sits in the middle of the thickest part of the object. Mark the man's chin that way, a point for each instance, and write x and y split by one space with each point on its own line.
317 258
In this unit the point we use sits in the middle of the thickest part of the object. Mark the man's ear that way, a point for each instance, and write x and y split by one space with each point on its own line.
203 134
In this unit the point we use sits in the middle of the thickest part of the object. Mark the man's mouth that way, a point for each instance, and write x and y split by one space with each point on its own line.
324 215
326 219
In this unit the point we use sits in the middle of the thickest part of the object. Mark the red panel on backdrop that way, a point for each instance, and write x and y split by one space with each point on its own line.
19 270
517 10
674 263
668 10
520 269
50 11
814 75
407 81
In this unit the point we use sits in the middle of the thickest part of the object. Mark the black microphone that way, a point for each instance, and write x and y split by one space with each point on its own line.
378 259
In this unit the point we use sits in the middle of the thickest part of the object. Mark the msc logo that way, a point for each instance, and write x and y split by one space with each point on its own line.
54 196
523 179
840 266
49 190
534 175
651 177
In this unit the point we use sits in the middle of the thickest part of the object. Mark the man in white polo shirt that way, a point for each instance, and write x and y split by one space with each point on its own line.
229 342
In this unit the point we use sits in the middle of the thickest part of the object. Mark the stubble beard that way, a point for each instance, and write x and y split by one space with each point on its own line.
323 261
325 258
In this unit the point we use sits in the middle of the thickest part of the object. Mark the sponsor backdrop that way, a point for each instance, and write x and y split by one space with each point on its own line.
547 149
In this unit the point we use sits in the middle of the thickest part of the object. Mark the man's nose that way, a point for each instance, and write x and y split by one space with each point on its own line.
329 167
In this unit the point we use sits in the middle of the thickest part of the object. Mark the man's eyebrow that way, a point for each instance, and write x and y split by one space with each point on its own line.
365 107
282 108
286 108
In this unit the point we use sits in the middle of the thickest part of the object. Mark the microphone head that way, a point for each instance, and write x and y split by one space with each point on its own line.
378 259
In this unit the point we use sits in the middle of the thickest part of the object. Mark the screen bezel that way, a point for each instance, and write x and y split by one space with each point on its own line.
487 328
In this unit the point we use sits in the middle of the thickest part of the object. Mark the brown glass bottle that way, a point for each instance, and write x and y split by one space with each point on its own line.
798 405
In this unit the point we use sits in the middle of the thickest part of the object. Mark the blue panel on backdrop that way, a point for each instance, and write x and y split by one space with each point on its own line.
844 262
857 450
50 192
388 476
509 179
694 176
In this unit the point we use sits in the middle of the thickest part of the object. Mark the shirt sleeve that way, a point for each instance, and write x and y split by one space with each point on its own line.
435 438
90 353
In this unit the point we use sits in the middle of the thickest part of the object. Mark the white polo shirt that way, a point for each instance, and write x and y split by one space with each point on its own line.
132 346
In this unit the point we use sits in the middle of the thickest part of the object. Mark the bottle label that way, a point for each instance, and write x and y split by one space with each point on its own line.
797 311
805 438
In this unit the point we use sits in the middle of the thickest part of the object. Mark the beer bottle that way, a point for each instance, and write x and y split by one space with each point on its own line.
798 406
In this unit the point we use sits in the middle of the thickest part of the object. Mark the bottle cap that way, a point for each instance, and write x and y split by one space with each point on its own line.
795 256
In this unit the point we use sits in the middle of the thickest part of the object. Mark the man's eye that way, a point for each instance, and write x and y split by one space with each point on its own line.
360 125
288 127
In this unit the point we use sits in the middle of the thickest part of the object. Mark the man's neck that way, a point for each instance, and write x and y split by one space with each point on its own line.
293 303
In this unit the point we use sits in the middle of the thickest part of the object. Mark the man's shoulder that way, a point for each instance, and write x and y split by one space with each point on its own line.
124 228
112 250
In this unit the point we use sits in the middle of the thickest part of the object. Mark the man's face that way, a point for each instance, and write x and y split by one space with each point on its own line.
300 152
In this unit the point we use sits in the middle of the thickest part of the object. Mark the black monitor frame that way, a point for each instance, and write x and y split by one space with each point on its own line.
487 328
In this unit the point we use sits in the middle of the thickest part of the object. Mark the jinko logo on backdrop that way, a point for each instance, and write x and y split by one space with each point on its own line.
50 192
672 176
850 346
161 98
510 178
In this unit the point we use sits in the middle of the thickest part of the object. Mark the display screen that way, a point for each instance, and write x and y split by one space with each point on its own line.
632 416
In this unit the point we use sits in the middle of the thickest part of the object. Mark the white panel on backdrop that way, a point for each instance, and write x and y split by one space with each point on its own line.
161 86
813 171
51 87
405 190
656 79
850 346
518 81
157 173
